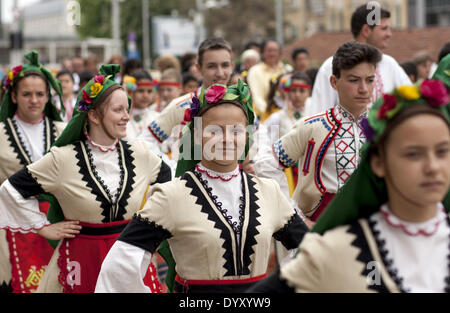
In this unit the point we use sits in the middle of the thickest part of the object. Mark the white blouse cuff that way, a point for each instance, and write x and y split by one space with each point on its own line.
19 214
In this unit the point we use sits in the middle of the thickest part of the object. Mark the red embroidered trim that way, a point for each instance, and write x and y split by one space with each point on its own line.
308 157
215 177
100 147
387 214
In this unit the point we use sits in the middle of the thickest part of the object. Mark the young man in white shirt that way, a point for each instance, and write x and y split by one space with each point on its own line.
388 73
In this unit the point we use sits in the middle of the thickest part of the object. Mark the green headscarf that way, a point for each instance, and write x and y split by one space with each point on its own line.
8 108
364 192
239 92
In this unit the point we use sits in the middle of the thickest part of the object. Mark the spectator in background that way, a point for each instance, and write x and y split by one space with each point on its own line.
410 69
249 58
190 83
169 88
84 77
165 62
234 78
67 64
129 67
116 59
90 63
253 45
259 76
68 97
188 62
301 59
423 62
77 68
312 73
388 73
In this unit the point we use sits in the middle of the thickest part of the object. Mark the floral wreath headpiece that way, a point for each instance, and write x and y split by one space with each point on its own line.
239 92
12 74
431 92
94 87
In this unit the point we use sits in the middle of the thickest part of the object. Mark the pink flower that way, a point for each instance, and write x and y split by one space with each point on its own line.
389 103
215 93
435 92
99 79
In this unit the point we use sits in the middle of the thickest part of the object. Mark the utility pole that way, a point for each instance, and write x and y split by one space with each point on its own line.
115 6
145 35
279 21
15 55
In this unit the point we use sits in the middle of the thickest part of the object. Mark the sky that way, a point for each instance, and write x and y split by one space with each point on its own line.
7 7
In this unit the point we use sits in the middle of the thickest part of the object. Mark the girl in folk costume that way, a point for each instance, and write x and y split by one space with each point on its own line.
97 179
29 126
140 87
218 220
388 228
326 146
298 88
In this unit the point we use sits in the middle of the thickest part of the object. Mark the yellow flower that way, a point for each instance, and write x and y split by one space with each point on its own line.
95 89
11 75
409 92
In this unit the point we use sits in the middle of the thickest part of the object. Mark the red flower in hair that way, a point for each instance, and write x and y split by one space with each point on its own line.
435 92
87 97
389 103
16 70
215 93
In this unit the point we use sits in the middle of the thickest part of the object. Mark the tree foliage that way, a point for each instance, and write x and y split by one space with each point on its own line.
96 17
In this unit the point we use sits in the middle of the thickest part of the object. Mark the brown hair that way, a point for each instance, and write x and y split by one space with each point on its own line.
353 53
18 79
212 44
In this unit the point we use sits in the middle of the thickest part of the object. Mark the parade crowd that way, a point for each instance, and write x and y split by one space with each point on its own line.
221 173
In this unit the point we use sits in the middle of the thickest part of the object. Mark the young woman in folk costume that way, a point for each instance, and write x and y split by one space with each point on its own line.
388 228
97 179
217 219
29 126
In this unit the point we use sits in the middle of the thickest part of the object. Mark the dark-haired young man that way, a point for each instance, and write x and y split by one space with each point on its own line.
327 146
388 74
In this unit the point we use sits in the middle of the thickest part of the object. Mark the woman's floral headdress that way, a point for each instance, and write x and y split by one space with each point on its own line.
8 107
88 95
431 92
13 73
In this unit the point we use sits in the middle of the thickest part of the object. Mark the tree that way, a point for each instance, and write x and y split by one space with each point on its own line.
242 21
96 17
